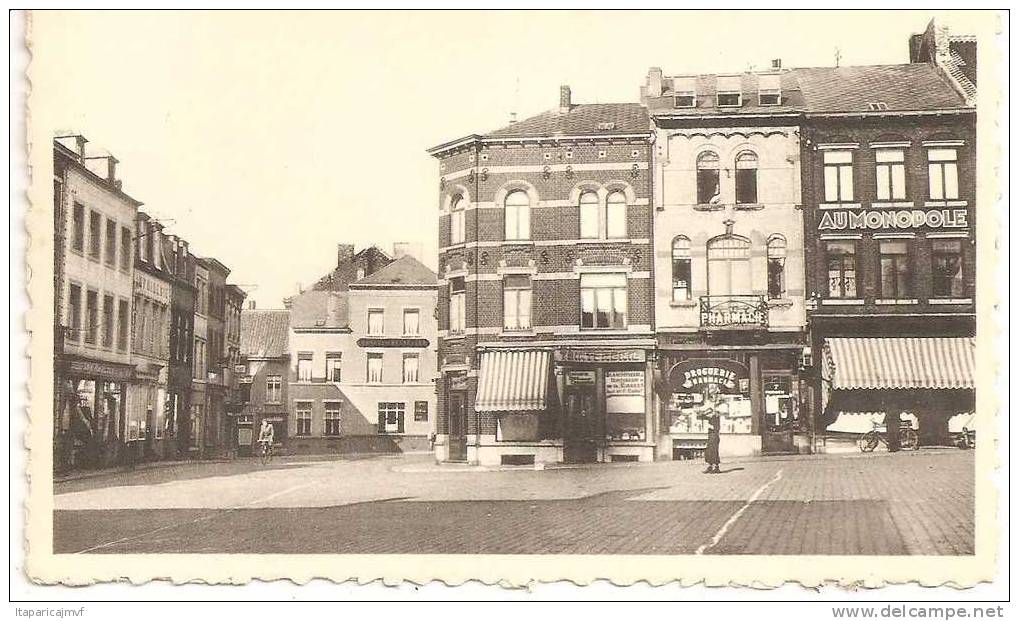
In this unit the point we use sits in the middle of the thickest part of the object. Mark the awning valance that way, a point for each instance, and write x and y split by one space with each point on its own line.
513 381
877 363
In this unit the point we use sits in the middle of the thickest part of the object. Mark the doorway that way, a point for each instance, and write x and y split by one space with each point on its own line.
581 433
457 426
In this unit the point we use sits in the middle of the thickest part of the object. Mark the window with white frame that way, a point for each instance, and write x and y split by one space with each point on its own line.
518 215
838 176
589 215
729 91
411 322
410 368
376 321
91 316
391 415
304 362
776 266
685 90
273 389
95 234
891 174
708 189
457 305
516 302
74 312
603 300
374 371
681 268
895 269
334 366
769 89
615 215
332 418
457 220
946 260
841 259
943 174
303 417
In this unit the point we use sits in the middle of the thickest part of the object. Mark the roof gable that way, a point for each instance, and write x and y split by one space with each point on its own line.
264 333
405 271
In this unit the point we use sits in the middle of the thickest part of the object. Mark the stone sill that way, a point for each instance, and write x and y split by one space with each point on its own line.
896 302
684 304
950 301
748 206
709 207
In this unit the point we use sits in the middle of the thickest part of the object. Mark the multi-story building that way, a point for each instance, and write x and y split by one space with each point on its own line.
889 186
728 235
265 356
233 368
197 433
546 302
94 257
146 427
362 356
180 264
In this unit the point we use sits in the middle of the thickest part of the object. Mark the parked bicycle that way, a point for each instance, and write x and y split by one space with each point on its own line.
909 440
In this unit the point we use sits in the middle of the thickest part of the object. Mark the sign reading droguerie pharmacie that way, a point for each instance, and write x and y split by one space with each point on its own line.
898 219
691 375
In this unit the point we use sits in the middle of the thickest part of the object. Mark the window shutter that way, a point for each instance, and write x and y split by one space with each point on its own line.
399 422
382 421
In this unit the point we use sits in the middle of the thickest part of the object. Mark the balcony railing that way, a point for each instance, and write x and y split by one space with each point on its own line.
733 311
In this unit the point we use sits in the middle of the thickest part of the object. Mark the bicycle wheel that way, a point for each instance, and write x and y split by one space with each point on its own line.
909 440
869 441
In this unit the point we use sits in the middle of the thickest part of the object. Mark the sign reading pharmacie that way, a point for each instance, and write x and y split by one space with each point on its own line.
694 374
892 219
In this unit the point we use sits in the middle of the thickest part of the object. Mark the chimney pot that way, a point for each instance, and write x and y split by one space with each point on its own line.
776 63
654 82
344 252
564 99
251 304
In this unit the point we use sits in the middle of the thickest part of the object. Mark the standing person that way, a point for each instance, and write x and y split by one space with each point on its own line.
893 427
709 411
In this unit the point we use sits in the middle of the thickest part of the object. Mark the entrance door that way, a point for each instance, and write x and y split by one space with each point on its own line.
781 415
457 426
581 433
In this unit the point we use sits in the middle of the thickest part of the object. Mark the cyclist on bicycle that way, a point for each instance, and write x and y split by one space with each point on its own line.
266 435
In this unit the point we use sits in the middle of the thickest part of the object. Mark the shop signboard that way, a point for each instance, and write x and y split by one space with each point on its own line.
891 219
624 383
694 374
580 378
601 355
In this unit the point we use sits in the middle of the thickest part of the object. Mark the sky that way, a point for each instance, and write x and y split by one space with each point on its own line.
267 138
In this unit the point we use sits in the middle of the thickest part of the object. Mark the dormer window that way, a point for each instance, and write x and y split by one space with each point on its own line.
770 90
685 92
729 92
876 106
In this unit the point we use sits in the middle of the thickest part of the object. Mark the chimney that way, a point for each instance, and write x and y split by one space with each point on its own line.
513 118
654 82
111 169
564 99
80 141
251 304
776 64
344 252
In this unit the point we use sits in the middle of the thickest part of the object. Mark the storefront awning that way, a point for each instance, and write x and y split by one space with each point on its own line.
513 381
879 363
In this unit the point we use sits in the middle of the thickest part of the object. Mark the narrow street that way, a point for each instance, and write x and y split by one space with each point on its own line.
897 504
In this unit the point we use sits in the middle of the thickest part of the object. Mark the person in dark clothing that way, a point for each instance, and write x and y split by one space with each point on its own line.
893 424
710 413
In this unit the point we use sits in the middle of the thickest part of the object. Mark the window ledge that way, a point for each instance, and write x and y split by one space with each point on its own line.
604 331
842 301
749 206
518 242
839 205
946 202
780 302
709 207
950 301
896 302
604 240
683 303
884 204
528 332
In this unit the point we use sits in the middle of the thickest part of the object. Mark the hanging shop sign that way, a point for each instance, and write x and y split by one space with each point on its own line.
873 219
624 383
694 374
457 381
580 378
604 355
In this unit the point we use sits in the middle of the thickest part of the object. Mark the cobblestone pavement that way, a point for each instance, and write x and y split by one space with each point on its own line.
904 503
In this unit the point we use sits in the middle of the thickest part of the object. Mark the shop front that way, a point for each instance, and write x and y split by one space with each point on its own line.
760 401
91 412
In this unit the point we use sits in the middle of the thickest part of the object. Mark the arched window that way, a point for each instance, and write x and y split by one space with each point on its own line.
746 178
707 178
615 215
589 215
518 215
729 266
456 220
776 267
680 268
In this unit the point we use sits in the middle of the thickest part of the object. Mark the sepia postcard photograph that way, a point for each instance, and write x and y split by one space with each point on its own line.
515 297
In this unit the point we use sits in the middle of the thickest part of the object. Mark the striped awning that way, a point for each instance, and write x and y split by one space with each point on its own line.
512 381
877 363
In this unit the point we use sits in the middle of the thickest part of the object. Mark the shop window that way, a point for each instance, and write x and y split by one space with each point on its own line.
334 366
457 220
420 411
457 305
841 259
374 371
78 228
304 361
95 234
681 269
332 418
603 301
411 322
391 417
615 215
943 174
518 215
687 405
624 405
91 316
746 178
708 190
274 389
838 176
303 417
410 368
946 259
891 174
111 243
376 322
108 321
74 312
589 215
516 298
895 270
776 267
